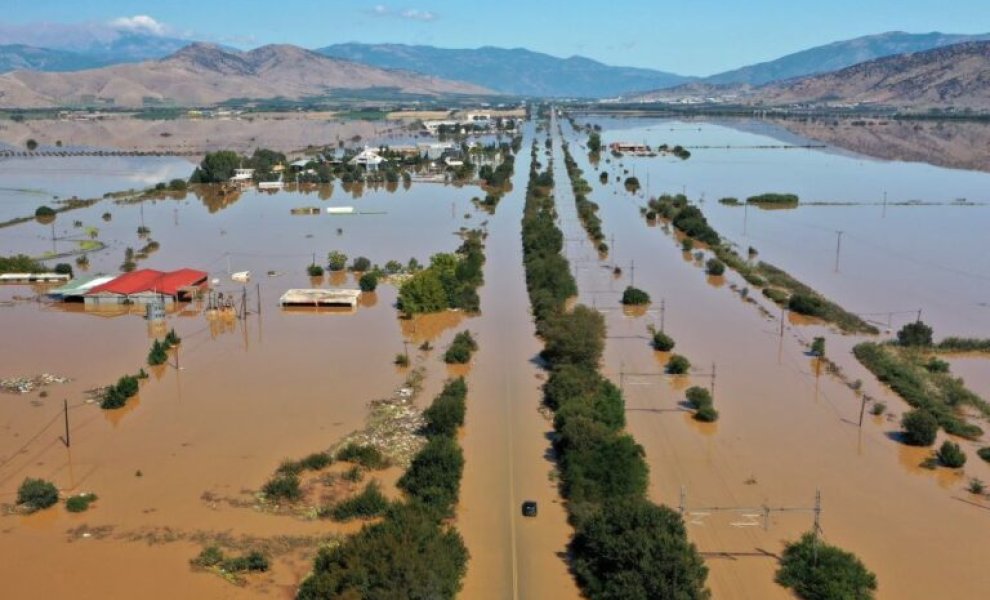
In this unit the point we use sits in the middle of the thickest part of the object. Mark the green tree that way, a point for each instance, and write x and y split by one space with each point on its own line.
368 282
361 264
576 338
915 334
37 494
634 549
423 293
818 346
434 476
920 427
446 414
635 297
662 342
818 571
714 267
31 144
678 365
337 260
44 212
951 455
216 167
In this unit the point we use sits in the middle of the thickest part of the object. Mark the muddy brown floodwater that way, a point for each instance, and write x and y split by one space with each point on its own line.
178 467
784 432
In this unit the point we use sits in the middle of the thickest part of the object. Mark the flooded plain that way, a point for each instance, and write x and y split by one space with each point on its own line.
787 429
179 466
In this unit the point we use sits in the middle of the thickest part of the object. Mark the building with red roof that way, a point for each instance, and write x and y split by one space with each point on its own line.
148 285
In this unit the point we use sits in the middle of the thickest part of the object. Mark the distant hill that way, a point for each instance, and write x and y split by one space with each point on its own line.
515 71
204 74
951 76
839 55
15 57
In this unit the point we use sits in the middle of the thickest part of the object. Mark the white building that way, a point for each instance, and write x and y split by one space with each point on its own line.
369 159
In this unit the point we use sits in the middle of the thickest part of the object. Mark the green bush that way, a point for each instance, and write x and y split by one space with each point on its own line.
252 561
714 267
635 297
678 365
706 414
368 282
446 414
460 349
158 355
915 334
776 295
815 570
434 476
361 264
117 395
698 397
806 304
984 453
951 455
920 427
44 212
317 461
369 503
774 199
283 487
37 494
209 557
337 260
633 549
577 337
368 457
79 503
662 342
314 270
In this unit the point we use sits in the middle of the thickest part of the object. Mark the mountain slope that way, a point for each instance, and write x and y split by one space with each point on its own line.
839 55
952 76
202 74
19 56
510 71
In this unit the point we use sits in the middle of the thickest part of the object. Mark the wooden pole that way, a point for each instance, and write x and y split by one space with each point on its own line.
65 406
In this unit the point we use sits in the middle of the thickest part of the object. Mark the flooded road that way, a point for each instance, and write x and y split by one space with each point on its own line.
784 431
506 444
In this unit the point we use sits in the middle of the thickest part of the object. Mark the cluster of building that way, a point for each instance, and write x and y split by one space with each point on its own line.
143 286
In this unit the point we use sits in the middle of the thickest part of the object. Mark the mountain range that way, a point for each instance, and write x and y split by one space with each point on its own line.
204 74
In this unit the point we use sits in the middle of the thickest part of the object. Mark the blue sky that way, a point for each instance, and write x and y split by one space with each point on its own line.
692 37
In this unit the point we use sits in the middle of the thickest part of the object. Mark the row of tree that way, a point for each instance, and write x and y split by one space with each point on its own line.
450 281
587 210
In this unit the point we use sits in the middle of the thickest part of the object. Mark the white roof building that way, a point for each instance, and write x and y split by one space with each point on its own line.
368 158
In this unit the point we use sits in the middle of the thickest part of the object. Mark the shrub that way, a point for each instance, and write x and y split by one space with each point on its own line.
314 270
369 503
401 359
37 494
117 395
354 474
825 573
687 244
951 455
714 267
460 349
878 408
776 295
366 456
44 211
806 304
337 260
316 461
79 503
158 355
936 365
678 365
283 487
361 264
635 297
446 414
662 342
252 561
976 486
706 414
368 282
434 476
577 337
920 427
915 334
984 453
63 269
818 346
698 397
208 557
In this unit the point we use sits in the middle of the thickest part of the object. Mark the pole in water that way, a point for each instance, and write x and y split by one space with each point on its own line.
919 316
663 310
782 312
838 247
713 381
862 409
258 291
65 406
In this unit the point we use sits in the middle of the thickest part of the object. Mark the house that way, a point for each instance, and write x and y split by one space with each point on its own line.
147 285
76 290
434 151
368 158
242 176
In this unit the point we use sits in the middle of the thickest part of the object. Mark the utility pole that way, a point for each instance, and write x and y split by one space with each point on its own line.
65 407
919 316
862 408
243 303
818 520
713 381
632 274
783 311
745 218
838 247
258 291
663 310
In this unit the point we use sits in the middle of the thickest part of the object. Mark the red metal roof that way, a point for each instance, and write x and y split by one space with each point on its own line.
129 283
150 280
170 283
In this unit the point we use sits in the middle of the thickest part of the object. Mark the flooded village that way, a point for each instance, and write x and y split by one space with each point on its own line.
390 321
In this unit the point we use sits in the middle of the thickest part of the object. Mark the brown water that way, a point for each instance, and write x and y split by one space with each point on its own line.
784 432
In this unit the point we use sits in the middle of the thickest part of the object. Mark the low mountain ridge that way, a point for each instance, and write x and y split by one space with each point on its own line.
515 71
204 74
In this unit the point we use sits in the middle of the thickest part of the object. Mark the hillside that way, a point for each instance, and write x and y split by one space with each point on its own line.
203 74
516 71
952 76
15 57
839 55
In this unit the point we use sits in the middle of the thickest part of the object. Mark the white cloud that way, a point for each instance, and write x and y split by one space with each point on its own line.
412 14
141 24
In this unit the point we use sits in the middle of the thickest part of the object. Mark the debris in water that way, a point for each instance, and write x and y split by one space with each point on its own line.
23 385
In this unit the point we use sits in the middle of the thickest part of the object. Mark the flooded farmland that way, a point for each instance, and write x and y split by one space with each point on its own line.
179 467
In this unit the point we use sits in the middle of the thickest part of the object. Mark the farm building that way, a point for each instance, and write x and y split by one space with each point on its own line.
148 285
76 290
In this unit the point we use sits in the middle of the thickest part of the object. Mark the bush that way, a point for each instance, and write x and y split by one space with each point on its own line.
401 360
366 456
635 297
714 267
687 244
706 414
158 355
446 414
878 408
63 269
369 503
460 349
368 282
337 260
361 264
117 395
662 342
920 427
79 503
827 573
818 347
316 461
806 304
37 494
915 334
252 561
314 270
951 455
678 365
984 453
44 212
434 476
576 338
283 487
634 549
776 295
209 557
698 397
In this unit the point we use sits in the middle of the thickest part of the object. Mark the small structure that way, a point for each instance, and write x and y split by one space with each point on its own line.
629 148
319 297
271 185
340 210
34 277
368 158
242 177
76 290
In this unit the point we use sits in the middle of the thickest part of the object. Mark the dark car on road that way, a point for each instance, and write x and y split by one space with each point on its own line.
529 508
